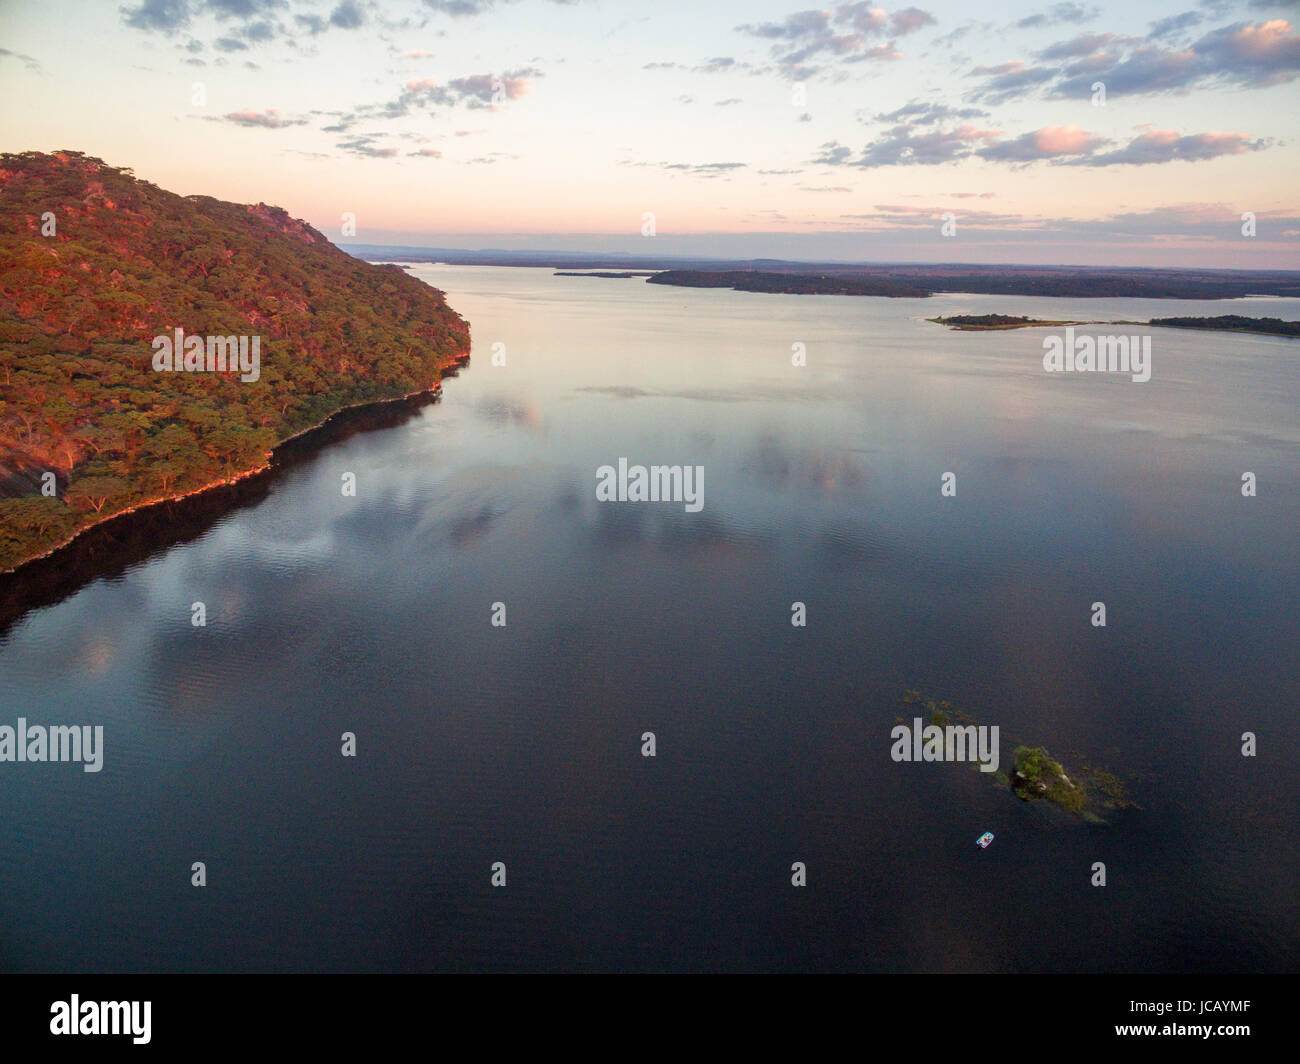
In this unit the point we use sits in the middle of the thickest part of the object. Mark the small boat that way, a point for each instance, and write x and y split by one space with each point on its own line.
984 840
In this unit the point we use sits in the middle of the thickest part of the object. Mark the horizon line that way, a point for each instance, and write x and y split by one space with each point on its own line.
626 255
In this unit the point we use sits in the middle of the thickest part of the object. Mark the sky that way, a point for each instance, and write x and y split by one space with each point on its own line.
1135 133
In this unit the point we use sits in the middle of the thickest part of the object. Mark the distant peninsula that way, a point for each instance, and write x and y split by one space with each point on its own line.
1222 323
788 283
921 281
274 330
1233 323
618 276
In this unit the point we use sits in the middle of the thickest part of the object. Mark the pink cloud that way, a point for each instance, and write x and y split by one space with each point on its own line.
1062 140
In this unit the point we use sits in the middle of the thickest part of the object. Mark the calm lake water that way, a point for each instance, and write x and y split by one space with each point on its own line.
522 744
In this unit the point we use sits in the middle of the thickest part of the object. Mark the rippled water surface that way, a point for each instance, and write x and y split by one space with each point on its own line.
522 744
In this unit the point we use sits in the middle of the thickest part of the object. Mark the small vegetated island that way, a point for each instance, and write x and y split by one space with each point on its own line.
95 264
979 322
1089 792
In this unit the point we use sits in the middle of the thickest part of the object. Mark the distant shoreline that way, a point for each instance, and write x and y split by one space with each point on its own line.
619 275
884 279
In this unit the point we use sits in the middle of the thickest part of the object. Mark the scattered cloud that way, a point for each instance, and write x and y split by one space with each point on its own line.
921 113
239 9
1243 55
719 64
486 90
459 8
1050 142
909 20
912 145
833 153
268 119
1165 145
255 21
347 16
470 8
1057 15
904 145
365 147
703 168
473 92
166 16
845 34
697 169
1009 80
27 61
1083 45
1175 25
1208 223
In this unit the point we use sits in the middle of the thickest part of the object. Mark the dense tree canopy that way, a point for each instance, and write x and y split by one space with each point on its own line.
123 261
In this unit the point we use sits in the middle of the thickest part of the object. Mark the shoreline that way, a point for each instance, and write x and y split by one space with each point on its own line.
962 327
1003 279
44 578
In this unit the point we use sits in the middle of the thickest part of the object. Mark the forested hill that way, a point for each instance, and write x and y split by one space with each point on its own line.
82 300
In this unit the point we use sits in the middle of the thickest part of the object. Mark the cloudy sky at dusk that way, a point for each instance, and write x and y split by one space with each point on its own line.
763 128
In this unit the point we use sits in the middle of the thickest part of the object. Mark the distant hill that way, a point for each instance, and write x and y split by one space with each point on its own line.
789 283
125 262
1009 280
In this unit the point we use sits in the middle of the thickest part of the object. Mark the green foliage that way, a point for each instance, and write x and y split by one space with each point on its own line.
986 319
1034 774
32 519
130 261
1033 762
1038 776
1234 323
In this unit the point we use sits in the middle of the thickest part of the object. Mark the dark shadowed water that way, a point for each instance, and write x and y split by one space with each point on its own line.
522 744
